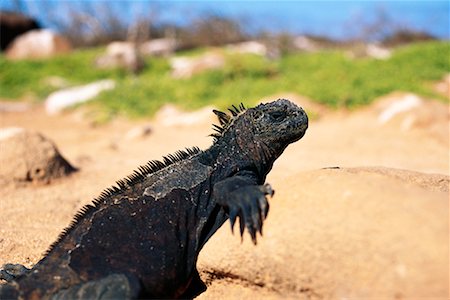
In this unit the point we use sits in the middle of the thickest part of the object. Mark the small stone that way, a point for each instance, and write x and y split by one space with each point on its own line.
29 156
139 132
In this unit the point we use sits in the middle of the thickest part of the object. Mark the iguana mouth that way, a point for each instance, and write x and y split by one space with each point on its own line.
301 125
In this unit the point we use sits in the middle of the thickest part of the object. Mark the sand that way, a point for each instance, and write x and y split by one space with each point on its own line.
376 227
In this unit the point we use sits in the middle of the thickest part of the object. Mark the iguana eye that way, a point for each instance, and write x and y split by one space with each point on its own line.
278 116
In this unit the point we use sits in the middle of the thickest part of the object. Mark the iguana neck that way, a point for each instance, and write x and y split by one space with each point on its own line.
242 153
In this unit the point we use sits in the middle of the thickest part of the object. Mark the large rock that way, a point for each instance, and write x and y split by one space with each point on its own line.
13 24
39 43
121 55
158 47
185 67
362 50
129 56
29 156
248 47
361 233
304 43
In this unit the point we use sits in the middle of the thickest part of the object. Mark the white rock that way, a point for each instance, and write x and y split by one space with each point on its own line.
120 54
377 51
62 99
185 67
251 47
305 44
39 43
158 47
407 102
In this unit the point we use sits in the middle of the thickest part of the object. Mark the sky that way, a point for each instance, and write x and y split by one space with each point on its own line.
334 19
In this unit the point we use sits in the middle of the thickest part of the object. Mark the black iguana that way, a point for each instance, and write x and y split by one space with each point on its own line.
142 237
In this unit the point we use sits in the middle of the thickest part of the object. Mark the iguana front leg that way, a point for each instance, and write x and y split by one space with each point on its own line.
241 196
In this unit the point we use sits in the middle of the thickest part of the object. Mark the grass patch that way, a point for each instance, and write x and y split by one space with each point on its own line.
25 77
329 77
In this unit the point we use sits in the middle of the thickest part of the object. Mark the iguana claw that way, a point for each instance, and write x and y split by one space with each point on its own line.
251 205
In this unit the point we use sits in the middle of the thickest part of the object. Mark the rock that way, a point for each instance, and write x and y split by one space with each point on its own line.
11 106
129 56
393 107
170 115
121 55
377 51
362 50
139 132
29 156
12 25
408 111
185 67
304 43
62 99
360 233
251 47
158 47
38 43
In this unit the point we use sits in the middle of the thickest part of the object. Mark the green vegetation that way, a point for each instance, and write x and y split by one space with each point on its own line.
328 77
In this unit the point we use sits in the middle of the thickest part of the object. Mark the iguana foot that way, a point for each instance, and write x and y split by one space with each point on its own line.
9 272
251 206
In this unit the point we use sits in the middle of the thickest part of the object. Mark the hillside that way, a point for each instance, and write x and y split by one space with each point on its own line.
329 77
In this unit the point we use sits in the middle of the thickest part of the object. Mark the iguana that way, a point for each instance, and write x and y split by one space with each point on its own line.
141 238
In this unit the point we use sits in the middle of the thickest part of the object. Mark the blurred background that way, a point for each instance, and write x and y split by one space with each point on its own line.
197 53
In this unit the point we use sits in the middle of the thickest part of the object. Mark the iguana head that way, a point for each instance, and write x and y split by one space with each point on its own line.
272 126
278 122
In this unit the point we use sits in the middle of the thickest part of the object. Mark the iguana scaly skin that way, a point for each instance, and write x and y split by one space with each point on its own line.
142 237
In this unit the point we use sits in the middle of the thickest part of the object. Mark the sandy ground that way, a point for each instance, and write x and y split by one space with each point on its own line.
366 230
